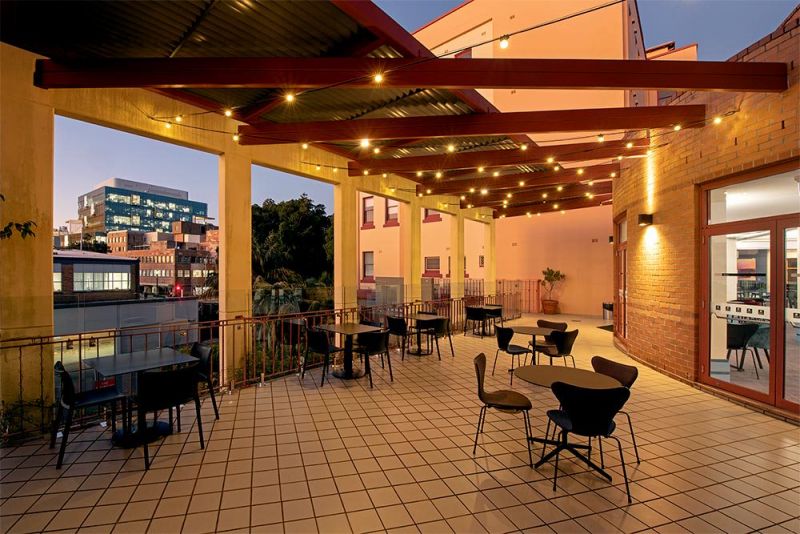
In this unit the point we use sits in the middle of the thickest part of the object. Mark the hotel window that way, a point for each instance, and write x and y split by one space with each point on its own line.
392 210
369 264
432 264
57 277
368 212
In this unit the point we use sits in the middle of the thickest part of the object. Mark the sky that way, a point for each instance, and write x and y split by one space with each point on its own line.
86 154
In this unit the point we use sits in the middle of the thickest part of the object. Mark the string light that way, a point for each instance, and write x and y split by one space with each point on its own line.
613 175
289 97
677 127
366 172
179 118
504 42
563 212
484 191
591 196
428 191
521 183
538 214
451 147
438 174
236 138
385 175
335 170
376 150
717 120
168 125
544 195
560 188
305 146
556 168
528 214
364 143
481 169
228 112
601 138
378 78
469 205
629 144
580 171
524 146
471 189
392 189
419 174
551 159
496 174
591 183
555 206
318 167
619 158
419 195
463 197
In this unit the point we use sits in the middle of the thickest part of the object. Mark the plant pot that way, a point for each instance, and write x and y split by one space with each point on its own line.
549 307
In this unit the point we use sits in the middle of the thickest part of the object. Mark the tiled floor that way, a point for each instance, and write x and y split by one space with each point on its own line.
295 457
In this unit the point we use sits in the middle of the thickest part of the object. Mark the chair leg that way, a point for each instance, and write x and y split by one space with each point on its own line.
178 416
383 365
171 421
324 369
573 360
758 357
214 398
481 416
526 419
368 369
752 355
633 436
439 354
142 431
511 380
624 471
602 459
199 420
495 360
453 353
303 369
546 436
64 438
389 361
403 348
114 416
558 453
56 422
728 356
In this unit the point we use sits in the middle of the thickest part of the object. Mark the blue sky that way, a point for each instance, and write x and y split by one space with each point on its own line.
86 154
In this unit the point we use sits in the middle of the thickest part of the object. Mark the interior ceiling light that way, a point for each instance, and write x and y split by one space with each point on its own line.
504 42
544 195
318 167
366 172
508 195
364 143
560 188
168 125
529 214
613 175
385 175
463 197
471 189
619 158
335 170
428 191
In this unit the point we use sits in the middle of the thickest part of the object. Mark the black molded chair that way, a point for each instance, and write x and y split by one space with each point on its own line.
563 343
161 390
626 375
492 316
504 336
504 400
398 327
441 329
71 400
372 344
589 413
760 340
205 372
738 338
319 343
474 315
548 340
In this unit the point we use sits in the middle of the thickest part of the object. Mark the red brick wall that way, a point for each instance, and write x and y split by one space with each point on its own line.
664 259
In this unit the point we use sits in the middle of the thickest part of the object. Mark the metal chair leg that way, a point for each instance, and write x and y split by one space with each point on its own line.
558 453
546 436
56 422
526 419
602 459
495 360
624 470
633 436
64 438
478 429
199 421
389 361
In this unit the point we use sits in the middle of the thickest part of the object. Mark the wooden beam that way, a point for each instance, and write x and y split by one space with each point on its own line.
519 122
512 181
500 158
555 207
453 74
526 196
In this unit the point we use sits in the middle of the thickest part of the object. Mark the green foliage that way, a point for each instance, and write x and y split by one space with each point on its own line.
290 240
550 278
24 229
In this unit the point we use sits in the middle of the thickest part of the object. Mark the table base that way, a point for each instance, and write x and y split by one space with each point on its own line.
131 439
571 447
344 375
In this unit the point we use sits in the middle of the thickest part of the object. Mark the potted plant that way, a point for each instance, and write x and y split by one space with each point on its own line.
550 278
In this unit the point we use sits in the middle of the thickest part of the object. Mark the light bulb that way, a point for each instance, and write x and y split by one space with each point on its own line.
504 42
305 146
318 167
471 189
613 175
236 137
580 171
335 170
364 143
551 159
619 158
528 214
469 205
419 194
428 191
484 191
228 112
481 169
384 175
601 138
496 174
560 188
508 195
438 174
179 118
376 150
555 206
168 125
524 146
544 195
590 183
563 212
521 183
289 97
591 196
677 127
538 214
717 120
392 189
463 197
366 172
556 168
451 148
629 144
419 174
378 78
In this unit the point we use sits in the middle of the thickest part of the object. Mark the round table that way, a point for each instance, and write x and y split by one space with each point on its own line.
546 375
532 331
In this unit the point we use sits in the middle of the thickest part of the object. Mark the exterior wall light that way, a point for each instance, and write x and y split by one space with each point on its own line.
645 219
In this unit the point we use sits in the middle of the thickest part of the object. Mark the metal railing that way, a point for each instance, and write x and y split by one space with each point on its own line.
246 351
529 291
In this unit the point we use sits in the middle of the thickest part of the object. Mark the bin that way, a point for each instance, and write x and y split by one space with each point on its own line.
608 311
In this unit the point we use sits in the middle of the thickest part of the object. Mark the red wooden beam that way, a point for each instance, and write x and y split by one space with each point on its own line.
512 181
536 196
501 158
454 74
555 207
519 122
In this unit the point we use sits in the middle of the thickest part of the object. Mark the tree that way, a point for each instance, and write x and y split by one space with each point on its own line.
289 238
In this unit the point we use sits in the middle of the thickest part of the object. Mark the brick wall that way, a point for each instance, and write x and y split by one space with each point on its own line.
664 259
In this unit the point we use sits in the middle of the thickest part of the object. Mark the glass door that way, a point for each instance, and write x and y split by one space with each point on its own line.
621 268
788 339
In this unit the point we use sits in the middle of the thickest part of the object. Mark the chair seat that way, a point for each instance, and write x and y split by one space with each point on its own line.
549 350
97 396
516 349
561 419
542 344
506 399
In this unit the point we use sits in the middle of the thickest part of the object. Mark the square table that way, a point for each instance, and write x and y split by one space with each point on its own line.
348 330
138 362
422 321
532 331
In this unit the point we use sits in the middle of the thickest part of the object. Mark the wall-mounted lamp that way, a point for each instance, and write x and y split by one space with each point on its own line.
645 219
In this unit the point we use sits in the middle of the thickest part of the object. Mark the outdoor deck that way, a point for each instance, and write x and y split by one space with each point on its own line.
295 457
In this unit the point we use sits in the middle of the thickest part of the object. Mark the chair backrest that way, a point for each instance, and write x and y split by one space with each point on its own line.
318 341
202 352
494 312
67 386
475 314
370 323
504 336
441 327
159 390
480 373
374 342
397 325
626 374
564 341
591 411
760 339
740 334
541 323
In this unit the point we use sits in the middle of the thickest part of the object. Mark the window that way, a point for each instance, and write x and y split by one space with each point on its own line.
369 264
432 263
431 216
480 261
90 277
392 211
368 212
57 277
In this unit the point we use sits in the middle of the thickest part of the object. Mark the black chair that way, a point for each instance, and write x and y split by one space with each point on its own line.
548 340
626 375
205 372
371 344
589 413
493 314
398 327
760 340
738 337
563 343
504 336
441 329
319 343
475 315
504 400
71 401
161 390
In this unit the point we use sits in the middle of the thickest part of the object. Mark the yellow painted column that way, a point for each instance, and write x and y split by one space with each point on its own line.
457 256
411 249
345 245
490 249
235 262
26 265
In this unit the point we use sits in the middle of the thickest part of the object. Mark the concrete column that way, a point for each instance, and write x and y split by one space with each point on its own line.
235 261
457 256
345 245
26 265
490 255
411 249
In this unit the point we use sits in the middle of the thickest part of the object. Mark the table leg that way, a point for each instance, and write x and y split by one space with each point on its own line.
347 372
128 437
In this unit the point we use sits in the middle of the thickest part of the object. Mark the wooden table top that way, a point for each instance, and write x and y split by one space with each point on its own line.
546 375
142 360
349 329
532 330
424 317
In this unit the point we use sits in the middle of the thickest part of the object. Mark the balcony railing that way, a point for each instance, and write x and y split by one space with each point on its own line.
247 351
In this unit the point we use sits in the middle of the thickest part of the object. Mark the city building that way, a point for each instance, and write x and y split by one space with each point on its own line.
178 263
118 204
81 276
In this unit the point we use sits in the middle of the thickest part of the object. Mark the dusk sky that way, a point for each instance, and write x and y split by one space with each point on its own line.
86 154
